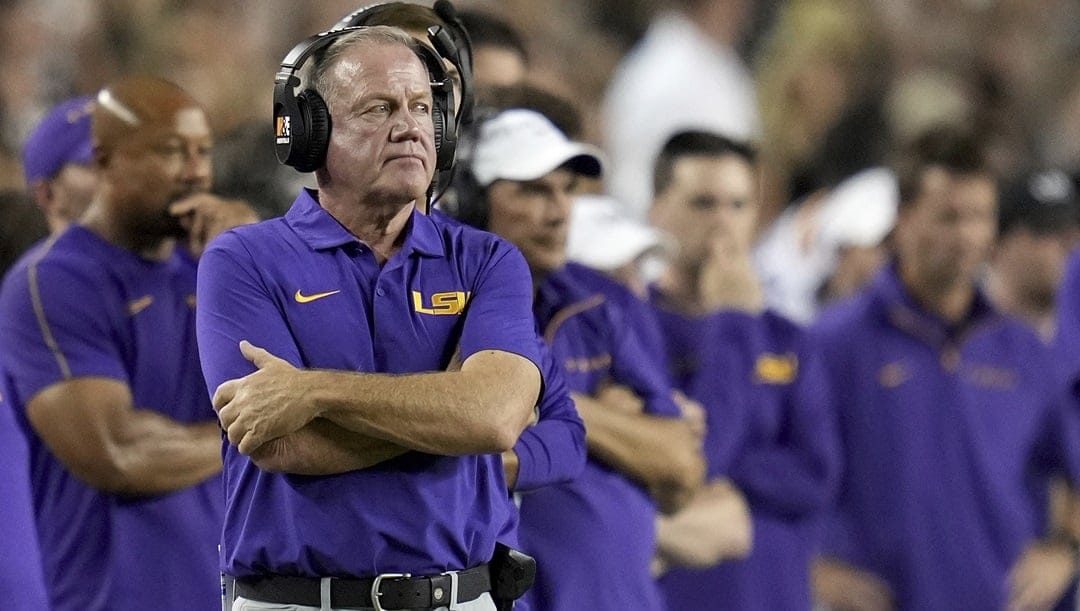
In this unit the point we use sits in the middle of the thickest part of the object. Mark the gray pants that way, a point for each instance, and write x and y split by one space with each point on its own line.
483 603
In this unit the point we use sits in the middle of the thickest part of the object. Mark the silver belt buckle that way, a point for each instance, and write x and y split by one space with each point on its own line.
375 593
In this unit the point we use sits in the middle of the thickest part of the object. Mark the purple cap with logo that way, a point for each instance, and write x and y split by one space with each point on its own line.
62 137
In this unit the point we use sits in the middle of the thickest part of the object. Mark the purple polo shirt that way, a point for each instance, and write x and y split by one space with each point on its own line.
552 450
948 434
21 578
78 306
593 537
773 436
418 513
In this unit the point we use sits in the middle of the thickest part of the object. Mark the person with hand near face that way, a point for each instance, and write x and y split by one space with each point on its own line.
744 543
103 371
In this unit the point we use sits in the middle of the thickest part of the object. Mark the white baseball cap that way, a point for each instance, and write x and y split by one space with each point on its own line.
521 144
604 238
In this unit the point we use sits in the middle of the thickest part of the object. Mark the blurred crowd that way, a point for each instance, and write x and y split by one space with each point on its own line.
738 168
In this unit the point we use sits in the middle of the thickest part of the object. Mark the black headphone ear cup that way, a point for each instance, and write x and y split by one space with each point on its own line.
316 117
438 120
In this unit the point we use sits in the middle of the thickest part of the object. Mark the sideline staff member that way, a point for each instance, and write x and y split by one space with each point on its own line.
99 351
365 301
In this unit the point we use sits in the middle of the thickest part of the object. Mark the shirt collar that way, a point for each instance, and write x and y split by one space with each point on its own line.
322 231
905 313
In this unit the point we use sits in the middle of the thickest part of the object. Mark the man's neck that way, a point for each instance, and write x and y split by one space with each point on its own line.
952 303
380 226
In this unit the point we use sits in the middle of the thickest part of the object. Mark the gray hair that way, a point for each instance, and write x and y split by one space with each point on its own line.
322 80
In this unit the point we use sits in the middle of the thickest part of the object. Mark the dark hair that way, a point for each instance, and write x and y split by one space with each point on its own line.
950 148
555 108
696 144
488 30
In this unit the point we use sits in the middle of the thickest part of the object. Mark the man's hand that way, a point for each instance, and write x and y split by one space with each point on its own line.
842 587
714 526
205 216
692 412
1041 576
265 405
728 280
621 398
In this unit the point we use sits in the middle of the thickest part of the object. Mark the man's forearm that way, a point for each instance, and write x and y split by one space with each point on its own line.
153 454
659 452
323 448
450 413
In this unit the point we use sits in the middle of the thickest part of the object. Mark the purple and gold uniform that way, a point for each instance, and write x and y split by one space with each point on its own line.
770 432
21 582
594 537
948 434
327 303
552 450
79 306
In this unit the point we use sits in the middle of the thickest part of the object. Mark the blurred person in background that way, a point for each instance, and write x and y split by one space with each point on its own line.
57 158
526 172
770 445
58 163
1038 226
102 370
950 422
685 73
500 57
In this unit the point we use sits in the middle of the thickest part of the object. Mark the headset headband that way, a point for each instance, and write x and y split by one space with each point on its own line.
302 121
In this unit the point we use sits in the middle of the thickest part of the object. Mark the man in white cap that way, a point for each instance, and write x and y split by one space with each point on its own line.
527 172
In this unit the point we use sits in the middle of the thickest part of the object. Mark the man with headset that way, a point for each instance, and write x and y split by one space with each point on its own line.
368 362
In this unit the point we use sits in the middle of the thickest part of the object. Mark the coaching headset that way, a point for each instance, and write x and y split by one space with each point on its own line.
302 120
452 42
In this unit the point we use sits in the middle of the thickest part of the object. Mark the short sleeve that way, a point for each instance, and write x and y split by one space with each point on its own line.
58 324
500 315
235 305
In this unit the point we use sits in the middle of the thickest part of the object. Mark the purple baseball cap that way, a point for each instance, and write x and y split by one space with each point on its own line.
62 137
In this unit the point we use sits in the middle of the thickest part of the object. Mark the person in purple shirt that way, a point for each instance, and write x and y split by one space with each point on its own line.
593 537
771 448
100 359
552 450
57 160
950 415
22 584
369 362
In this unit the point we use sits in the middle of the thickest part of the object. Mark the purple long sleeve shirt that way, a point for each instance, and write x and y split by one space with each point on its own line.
948 433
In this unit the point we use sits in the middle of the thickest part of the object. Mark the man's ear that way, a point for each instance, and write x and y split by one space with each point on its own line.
101 156
42 192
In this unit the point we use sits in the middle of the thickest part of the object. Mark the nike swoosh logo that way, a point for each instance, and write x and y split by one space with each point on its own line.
301 298
140 304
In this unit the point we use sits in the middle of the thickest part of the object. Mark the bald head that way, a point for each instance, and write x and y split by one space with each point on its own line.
136 104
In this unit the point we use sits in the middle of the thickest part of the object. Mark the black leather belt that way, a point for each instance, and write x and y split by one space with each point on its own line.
394 591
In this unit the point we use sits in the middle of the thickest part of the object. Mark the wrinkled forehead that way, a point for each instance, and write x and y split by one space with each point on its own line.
366 69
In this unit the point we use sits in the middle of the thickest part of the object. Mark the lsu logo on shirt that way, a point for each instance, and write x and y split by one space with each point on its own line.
283 129
450 303
776 368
